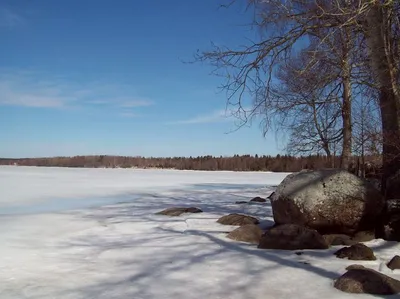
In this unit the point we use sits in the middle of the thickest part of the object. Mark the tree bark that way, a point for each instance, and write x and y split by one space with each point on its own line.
347 129
346 107
380 42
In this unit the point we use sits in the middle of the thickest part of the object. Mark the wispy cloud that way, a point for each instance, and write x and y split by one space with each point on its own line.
129 114
212 117
14 93
129 103
124 102
30 89
10 19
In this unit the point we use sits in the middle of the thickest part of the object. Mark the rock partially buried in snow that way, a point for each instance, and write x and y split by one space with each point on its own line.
341 239
364 236
179 211
292 237
237 219
394 263
359 279
357 252
328 200
338 239
249 233
258 199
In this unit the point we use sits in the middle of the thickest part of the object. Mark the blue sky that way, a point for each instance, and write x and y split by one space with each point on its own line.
106 77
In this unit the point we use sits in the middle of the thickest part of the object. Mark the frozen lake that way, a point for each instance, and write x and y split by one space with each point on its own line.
93 233
39 189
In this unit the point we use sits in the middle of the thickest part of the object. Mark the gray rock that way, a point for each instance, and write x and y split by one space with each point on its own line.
341 239
359 279
258 199
394 263
237 219
338 239
357 252
355 266
179 211
328 200
292 237
364 236
249 233
240 202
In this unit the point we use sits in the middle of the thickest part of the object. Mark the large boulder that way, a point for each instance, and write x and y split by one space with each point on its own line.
359 279
328 200
292 237
249 233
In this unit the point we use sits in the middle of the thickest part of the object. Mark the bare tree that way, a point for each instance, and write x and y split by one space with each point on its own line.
367 129
307 107
286 26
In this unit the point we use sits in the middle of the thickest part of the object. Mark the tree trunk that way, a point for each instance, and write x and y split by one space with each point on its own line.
380 43
346 114
346 107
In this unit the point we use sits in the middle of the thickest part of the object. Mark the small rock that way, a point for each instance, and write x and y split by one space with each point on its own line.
355 266
363 236
394 263
258 199
179 211
338 239
237 219
240 202
292 237
356 252
359 279
250 233
341 239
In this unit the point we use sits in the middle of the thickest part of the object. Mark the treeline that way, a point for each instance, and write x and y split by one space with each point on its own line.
279 163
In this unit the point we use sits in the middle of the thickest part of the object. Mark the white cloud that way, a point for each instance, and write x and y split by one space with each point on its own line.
30 89
124 102
17 94
129 103
129 114
10 19
213 117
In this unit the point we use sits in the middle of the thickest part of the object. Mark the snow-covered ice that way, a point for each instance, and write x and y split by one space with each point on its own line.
93 233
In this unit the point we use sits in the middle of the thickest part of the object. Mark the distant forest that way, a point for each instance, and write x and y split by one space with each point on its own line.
279 163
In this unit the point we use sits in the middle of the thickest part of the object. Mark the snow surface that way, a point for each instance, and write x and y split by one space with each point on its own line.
119 248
